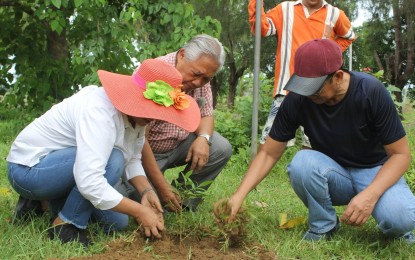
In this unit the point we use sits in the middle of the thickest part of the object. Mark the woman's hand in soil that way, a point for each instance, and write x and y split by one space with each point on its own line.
153 224
151 200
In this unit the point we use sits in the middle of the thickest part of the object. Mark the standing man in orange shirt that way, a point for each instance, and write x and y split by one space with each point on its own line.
294 23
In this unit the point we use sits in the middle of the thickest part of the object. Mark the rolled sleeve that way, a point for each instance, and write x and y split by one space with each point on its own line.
133 169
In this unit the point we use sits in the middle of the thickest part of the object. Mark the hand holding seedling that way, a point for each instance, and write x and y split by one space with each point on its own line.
170 199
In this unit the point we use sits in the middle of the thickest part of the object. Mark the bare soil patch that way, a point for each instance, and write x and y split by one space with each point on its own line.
225 241
169 247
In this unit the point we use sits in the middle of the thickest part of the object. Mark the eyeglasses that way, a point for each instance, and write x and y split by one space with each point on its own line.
203 78
321 89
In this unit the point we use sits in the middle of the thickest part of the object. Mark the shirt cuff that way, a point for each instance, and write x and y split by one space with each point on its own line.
133 170
110 198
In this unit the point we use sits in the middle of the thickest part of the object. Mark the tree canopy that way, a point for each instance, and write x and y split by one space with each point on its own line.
50 48
388 40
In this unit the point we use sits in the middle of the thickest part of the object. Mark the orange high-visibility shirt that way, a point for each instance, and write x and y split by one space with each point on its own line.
293 26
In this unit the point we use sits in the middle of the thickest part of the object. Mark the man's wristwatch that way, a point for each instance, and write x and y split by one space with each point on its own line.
208 139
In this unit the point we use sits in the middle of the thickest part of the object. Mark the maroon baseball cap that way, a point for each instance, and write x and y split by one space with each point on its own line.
313 61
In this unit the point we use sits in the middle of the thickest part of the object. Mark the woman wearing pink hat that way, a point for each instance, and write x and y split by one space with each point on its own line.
75 153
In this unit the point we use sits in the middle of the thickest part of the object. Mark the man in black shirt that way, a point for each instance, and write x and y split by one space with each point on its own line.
360 150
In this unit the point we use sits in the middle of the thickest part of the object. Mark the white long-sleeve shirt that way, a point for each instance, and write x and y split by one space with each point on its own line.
89 121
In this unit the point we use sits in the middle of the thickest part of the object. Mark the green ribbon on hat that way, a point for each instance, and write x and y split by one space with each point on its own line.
158 91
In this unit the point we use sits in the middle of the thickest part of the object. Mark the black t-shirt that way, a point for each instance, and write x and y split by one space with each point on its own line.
351 132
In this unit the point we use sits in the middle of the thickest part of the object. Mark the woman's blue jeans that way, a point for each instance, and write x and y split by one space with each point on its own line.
52 179
322 183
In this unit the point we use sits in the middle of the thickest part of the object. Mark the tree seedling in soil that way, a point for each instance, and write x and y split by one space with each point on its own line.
188 190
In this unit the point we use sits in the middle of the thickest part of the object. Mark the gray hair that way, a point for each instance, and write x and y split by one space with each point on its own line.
204 44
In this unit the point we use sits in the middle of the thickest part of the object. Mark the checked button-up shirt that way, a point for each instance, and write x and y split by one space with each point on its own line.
164 136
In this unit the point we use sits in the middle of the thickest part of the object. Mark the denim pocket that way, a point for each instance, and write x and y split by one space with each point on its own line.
14 173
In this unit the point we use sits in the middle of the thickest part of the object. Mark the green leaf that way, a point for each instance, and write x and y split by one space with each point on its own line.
57 3
176 20
205 183
56 27
78 3
379 74
171 7
393 88
166 19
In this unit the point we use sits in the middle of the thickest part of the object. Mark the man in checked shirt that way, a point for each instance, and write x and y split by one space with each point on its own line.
205 152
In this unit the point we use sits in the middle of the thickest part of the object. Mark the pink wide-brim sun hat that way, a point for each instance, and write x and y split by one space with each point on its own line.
126 94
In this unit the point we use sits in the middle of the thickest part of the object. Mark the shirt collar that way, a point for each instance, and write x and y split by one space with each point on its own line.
301 2
139 130
127 123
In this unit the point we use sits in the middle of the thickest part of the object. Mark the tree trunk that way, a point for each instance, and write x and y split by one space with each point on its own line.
215 90
377 60
397 25
56 44
232 75
403 66
410 55
57 47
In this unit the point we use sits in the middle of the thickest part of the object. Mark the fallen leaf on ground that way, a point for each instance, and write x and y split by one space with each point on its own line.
287 224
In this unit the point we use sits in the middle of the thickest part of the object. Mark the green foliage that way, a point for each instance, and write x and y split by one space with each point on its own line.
49 49
233 126
12 121
188 189
350 8
411 95
410 174
386 39
375 37
393 90
236 124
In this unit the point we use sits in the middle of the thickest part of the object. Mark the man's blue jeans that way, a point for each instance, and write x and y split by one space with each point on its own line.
321 183
52 179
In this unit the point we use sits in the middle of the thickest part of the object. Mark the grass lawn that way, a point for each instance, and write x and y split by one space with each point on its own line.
274 196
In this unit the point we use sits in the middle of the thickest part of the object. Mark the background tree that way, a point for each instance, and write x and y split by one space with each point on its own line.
238 40
49 48
389 38
234 37
55 46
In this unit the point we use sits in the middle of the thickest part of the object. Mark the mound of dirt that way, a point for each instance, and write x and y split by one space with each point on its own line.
171 248
234 233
